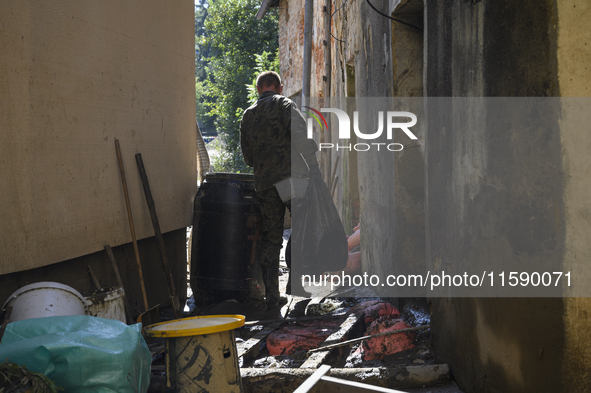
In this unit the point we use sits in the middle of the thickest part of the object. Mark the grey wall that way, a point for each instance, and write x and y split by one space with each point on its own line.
494 196
373 78
74 76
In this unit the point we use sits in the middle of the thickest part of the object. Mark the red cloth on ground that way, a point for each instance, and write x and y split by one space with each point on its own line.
303 336
378 347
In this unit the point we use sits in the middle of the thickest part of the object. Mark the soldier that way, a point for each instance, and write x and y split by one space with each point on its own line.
267 132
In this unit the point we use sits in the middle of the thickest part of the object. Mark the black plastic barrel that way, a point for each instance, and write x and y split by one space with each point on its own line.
225 220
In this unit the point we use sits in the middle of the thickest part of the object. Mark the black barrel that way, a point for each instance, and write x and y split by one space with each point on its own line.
225 221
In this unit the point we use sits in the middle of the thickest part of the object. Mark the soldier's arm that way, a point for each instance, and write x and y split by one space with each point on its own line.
245 144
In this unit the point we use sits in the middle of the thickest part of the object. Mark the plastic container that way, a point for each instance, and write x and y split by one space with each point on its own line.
45 299
108 304
201 353
292 187
225 219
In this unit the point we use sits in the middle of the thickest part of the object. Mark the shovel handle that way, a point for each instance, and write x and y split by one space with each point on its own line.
131 228
159 239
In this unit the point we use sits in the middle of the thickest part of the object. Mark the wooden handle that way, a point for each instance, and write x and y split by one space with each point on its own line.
120 283
159 240
5 321
131 228
94 279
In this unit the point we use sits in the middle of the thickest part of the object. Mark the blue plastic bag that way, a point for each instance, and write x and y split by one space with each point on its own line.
81 353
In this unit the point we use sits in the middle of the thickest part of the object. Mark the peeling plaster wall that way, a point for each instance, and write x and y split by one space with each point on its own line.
361 67
291 39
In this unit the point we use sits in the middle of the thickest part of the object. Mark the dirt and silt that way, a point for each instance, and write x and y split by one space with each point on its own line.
285 335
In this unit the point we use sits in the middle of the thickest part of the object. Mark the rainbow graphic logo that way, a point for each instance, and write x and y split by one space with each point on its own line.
317 116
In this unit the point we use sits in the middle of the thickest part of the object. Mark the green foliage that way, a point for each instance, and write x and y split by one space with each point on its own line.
234 37
202 100
16 378
265 62
205 120
201 51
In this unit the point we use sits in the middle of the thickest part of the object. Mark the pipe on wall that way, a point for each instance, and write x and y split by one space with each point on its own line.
308 23
327 83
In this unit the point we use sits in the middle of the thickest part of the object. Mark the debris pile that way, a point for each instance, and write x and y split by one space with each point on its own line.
301 336
17 378
378 347
381 317
374 309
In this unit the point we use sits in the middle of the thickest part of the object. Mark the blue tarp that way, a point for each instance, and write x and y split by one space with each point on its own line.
81 353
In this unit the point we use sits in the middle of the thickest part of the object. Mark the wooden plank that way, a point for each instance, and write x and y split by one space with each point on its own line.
290 320
286 380
316 358
158 368
251 347
356 340
309 383
331 384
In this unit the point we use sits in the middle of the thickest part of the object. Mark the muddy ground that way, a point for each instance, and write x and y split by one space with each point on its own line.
414 312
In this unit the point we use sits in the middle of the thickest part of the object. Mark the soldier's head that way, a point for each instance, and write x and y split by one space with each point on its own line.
269 81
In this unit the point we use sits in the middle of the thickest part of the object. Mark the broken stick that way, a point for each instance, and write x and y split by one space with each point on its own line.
355 340
5 321
297 319
126 305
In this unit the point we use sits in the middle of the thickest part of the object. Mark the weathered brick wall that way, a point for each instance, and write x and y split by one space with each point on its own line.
291 44
347 28
345 25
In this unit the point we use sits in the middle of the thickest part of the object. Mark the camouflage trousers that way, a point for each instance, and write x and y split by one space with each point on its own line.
272 213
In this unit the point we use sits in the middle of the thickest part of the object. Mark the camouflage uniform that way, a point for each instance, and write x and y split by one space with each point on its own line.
267 132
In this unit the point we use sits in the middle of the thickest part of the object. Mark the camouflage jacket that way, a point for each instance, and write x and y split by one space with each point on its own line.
267 133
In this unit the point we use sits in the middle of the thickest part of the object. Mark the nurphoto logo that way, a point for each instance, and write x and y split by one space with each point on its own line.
392 120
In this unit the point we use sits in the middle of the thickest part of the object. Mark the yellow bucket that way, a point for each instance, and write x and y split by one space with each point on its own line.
201 353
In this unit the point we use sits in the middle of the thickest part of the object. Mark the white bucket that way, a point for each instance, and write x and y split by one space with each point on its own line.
45 299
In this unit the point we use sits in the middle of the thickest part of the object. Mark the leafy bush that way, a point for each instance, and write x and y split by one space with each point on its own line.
236 44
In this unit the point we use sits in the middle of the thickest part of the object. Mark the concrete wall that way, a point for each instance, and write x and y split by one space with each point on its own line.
511 197
483 189
519 196
409 164
73 77
384 192
574 79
